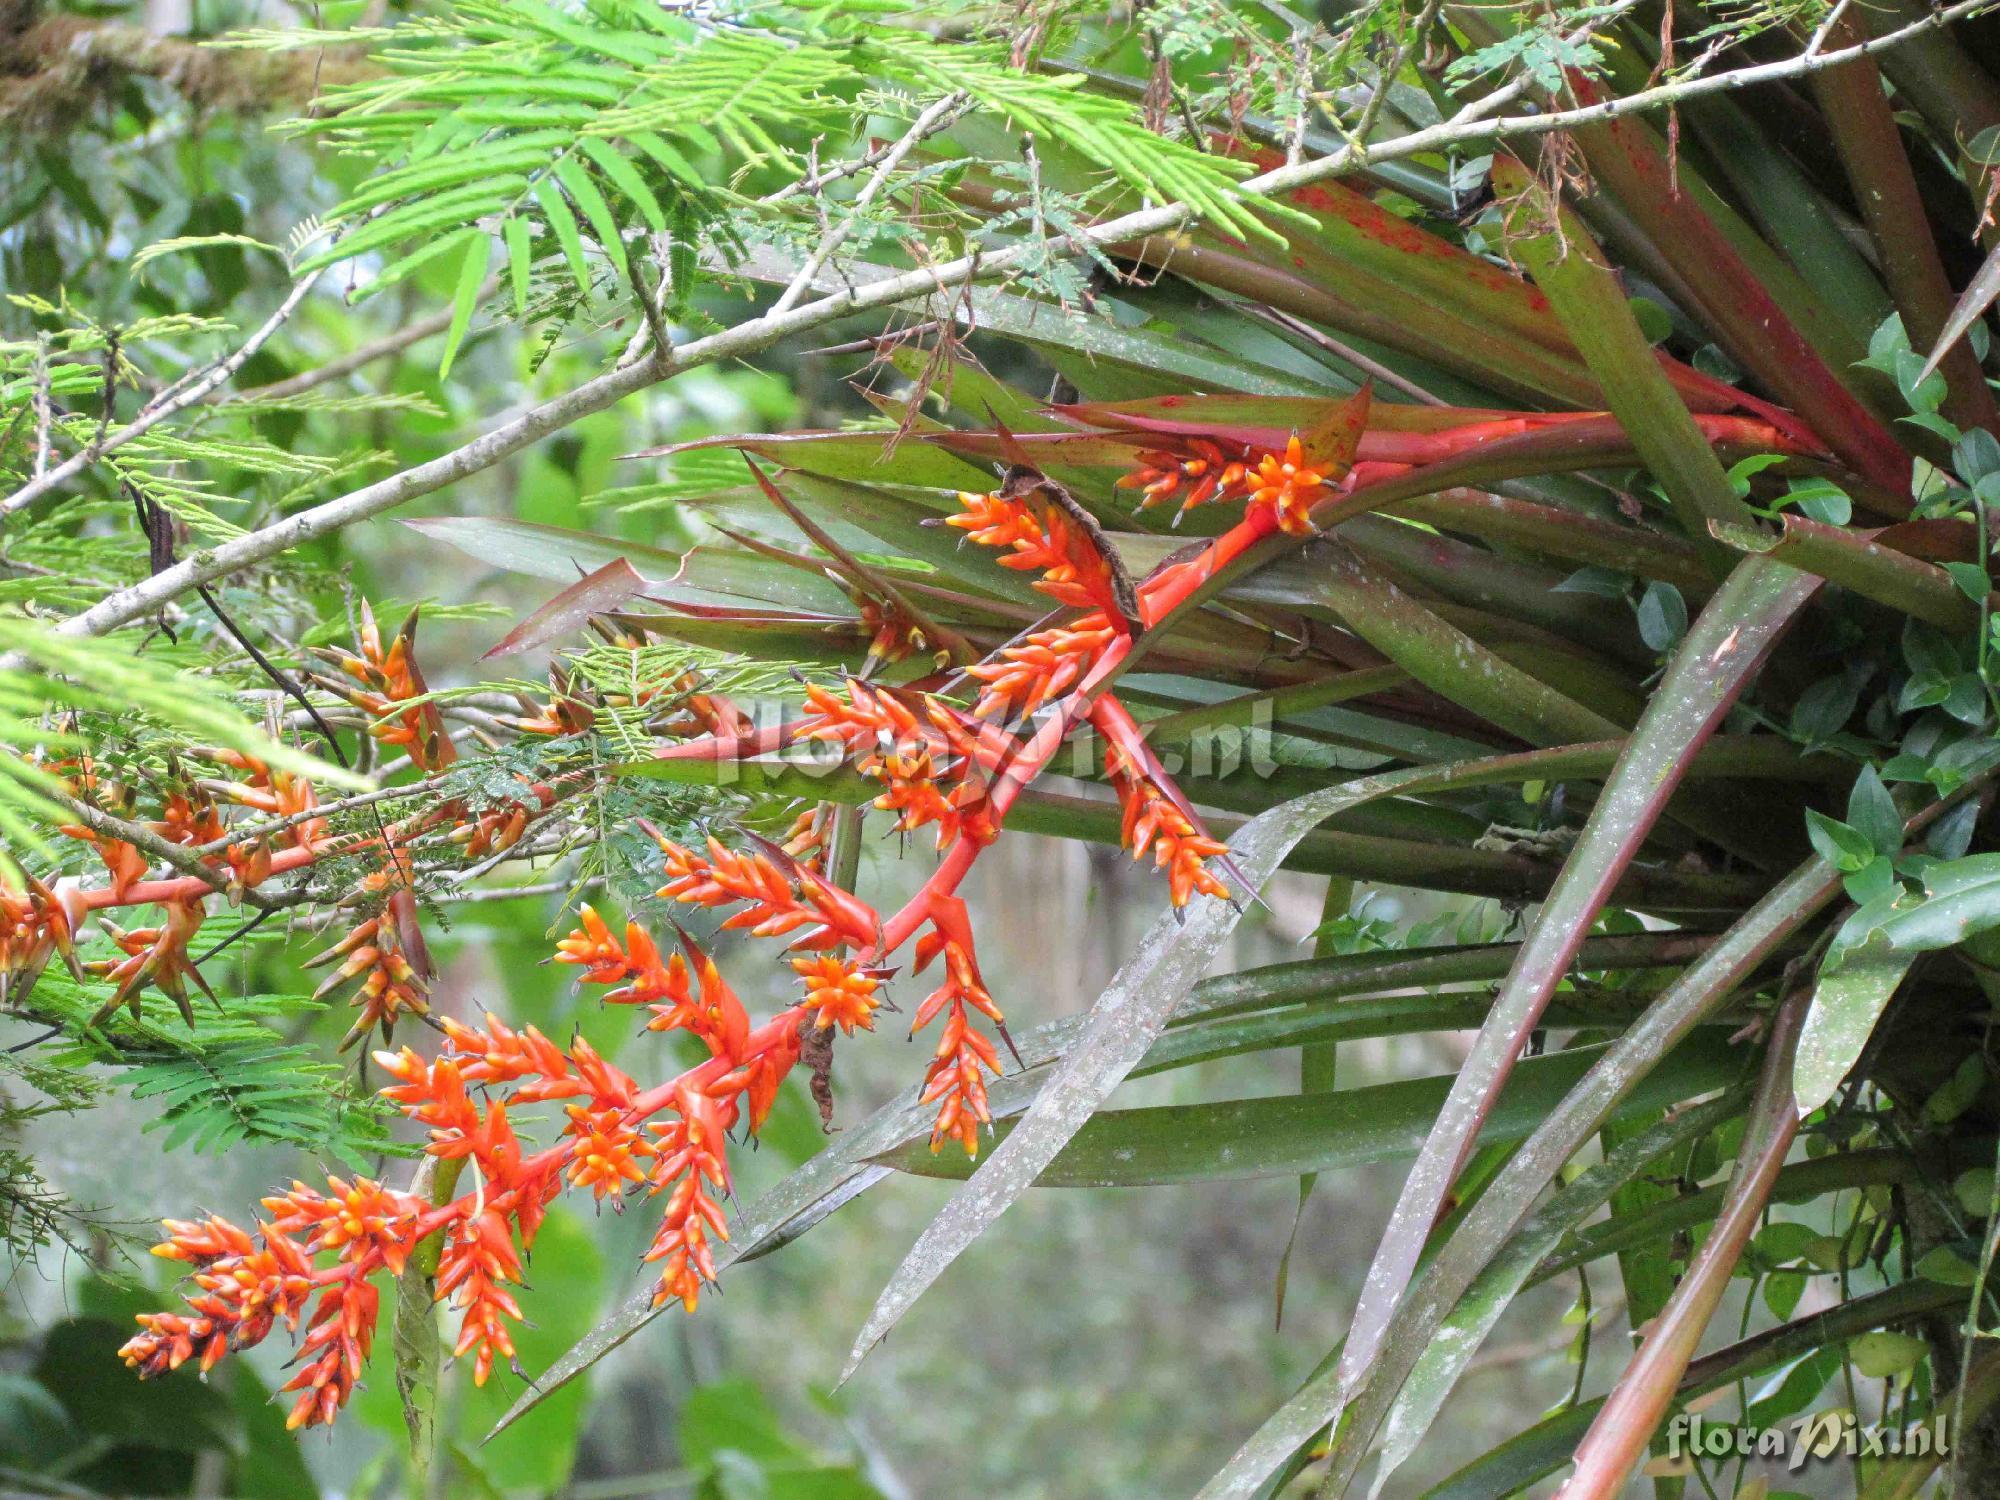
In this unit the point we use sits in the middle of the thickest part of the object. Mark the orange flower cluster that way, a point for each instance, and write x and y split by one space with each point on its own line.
956 1079
474 1267
391 985
689 1158
1153 820
246 1284
892 635
1023 676
267 790
35 926
1288 488
1044 538
937 766
810 836
123 863
156 956
245 1287
384 679
1284 486
838 992
776 902
1201 474
929 764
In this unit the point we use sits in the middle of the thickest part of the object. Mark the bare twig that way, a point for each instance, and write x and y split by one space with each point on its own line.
1374 369
175 398
347 364
928 123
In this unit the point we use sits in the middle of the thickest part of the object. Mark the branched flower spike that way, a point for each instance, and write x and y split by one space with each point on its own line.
937 765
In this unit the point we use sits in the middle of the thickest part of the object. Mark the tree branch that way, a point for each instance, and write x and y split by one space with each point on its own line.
176 399
1477 121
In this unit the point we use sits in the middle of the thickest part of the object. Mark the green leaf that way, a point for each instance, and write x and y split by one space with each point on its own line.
1850 997
1881 1355
1846 849
1663 616
1973 580
1957 1093
519 262
1961 899
1458 1340
471 274
1285 1135
625 177
563 224
603 223
1872 812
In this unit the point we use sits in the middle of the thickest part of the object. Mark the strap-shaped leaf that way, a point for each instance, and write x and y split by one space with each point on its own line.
1721 653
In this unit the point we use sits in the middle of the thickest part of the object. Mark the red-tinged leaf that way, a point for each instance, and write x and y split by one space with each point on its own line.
1331 442
1587 296
1643 1392
1049 450
593 594
1858 560
699 575
1737 301
1267 421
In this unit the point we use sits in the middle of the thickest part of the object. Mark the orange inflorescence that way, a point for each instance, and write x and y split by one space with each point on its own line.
956 1080
474 1267
391 985
34 927
808 838
927 758
1282 486
273 792
1288 487
1203 473
384 681
936 765
838 992
1153 821
245 1285
892 635
351 1218
691 1160
1049 542
1021 677
155 955
775 902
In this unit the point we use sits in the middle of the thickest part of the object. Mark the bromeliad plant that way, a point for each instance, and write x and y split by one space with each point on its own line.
1577 523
